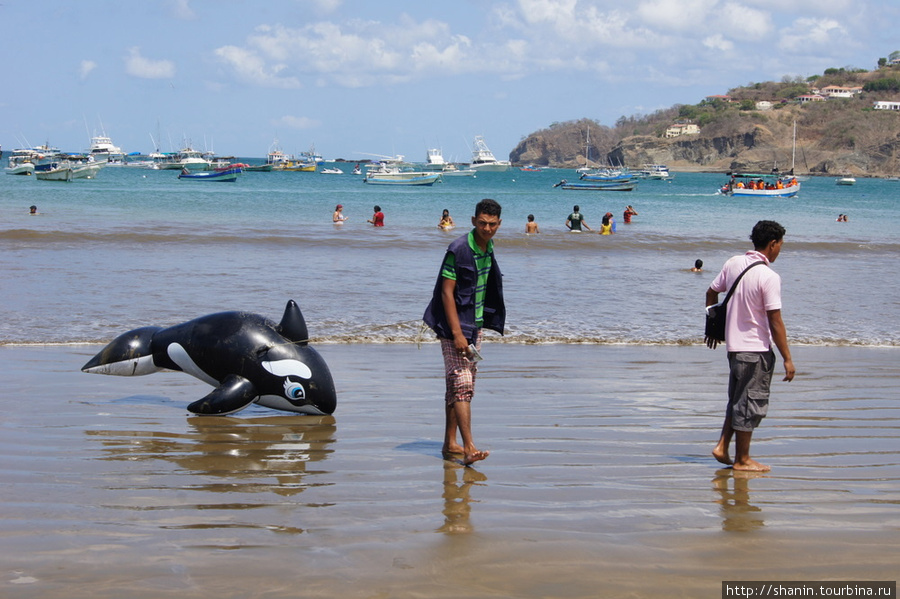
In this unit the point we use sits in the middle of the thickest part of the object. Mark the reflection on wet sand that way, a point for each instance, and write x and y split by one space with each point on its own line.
458 481
738 514
240 455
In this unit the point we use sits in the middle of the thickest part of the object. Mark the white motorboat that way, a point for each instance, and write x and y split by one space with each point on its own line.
187 158
483 159
845 181
379 173
331 171
21 162
655 171
104 150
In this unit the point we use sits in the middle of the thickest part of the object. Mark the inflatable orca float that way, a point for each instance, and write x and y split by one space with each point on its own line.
246 357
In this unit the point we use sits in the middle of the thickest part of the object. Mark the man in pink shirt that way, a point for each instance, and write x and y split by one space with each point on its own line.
753 323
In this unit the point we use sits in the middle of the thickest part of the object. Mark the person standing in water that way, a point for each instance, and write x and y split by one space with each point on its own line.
446 223
467 297
753 324
531 226
377 218
576 220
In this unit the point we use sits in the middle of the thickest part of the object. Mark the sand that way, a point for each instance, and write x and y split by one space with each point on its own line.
599 482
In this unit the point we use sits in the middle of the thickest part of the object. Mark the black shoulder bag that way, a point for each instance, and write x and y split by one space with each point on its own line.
715 314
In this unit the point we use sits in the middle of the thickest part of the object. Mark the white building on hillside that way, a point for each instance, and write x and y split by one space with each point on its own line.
679 129
887 105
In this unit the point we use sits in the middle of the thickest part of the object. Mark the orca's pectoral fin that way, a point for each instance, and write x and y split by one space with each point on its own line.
293 325
234 394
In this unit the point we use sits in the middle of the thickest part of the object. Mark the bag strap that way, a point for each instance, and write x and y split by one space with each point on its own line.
738 280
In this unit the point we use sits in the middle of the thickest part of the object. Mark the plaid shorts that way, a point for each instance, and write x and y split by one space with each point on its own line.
459 371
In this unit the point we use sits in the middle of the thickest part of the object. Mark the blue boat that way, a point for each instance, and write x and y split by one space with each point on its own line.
229 175
622 185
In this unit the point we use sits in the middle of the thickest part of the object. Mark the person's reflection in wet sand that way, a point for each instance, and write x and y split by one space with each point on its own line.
738 515
456 497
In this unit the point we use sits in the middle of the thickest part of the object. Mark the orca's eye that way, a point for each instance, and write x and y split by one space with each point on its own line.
293 390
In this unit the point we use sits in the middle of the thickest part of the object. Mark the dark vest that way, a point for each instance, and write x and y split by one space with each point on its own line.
464 294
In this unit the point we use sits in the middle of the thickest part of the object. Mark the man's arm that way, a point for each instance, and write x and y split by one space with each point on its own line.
779 336
447 297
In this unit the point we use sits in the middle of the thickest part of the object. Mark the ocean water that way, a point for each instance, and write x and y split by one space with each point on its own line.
136 247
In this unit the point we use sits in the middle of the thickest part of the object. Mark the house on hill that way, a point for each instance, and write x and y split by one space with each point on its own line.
839 91
679 129
887 105
806 98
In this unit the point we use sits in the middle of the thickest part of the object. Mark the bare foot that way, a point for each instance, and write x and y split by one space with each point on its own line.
752 466
475 456
453 452
722 456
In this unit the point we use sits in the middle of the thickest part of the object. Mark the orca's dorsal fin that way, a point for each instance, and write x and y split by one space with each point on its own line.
234 394
293 325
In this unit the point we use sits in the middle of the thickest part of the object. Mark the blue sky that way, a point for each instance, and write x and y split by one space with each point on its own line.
394 76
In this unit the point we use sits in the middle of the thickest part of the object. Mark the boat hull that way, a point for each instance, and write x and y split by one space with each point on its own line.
55 174
787 192
86 172
600 186
490 167
226 176
21 169
404 179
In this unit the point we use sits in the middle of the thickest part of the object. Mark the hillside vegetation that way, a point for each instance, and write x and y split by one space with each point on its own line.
839 135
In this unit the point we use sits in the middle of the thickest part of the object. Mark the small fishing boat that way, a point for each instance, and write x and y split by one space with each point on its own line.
624 185
228 175
771 185
85 171
55 173
845 181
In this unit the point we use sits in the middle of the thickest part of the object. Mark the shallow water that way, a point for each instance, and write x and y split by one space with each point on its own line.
599 482
136 247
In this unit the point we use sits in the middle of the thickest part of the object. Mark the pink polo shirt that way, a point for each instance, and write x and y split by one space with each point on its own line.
747 325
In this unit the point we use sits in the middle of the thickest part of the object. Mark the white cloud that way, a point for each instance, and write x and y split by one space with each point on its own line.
806 35
296 122
251 68
743 22
138 66
182 10
324 6
676 15
718 42
86 67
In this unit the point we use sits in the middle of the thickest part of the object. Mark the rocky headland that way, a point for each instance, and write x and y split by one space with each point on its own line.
833 136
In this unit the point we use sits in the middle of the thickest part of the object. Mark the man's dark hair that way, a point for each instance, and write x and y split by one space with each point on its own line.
489 207
764 232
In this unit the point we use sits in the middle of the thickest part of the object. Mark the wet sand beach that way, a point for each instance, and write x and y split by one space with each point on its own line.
600 481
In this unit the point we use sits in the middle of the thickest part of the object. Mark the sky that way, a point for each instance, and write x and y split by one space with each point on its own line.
358 79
